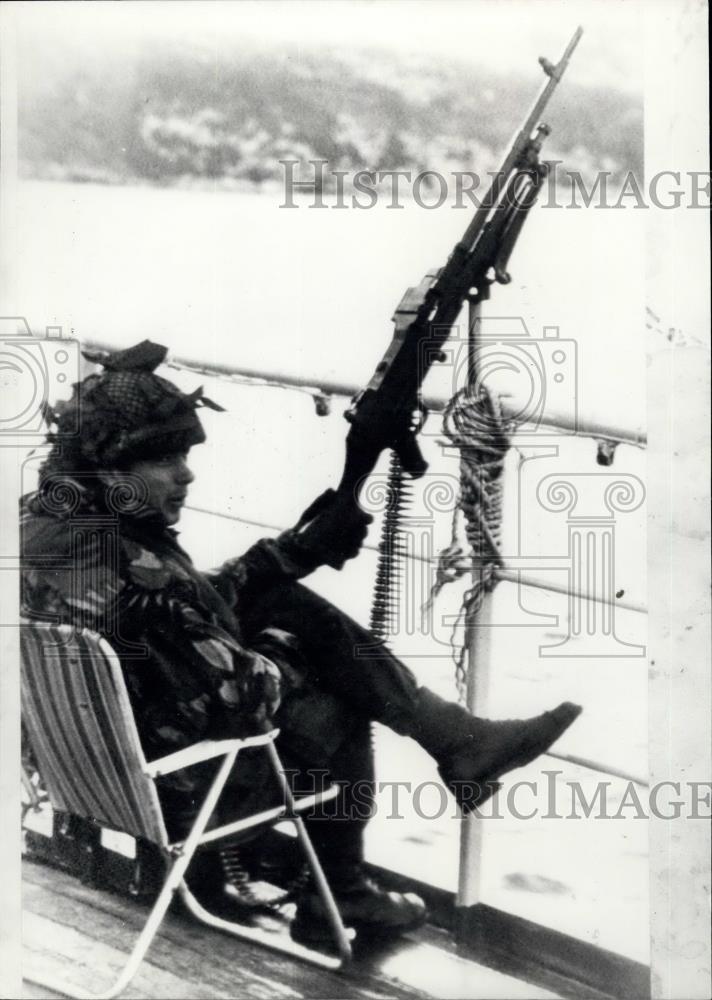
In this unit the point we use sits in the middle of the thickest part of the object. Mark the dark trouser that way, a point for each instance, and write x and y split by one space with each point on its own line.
345 681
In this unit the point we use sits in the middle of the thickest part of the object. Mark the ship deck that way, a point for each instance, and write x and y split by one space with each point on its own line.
81 936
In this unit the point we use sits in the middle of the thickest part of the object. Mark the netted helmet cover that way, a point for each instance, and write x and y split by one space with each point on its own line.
127 413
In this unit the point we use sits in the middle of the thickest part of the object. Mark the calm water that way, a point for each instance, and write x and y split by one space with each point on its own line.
232 278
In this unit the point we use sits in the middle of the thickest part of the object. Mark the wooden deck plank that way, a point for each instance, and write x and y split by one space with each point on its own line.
81 936
204 959
88 963
438 969
181 945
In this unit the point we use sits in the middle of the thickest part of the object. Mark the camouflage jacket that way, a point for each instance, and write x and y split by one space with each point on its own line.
175 629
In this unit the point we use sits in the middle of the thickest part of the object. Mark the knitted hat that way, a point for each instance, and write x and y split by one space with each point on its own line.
127 413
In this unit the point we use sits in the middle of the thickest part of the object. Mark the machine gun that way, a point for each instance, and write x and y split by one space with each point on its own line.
389 412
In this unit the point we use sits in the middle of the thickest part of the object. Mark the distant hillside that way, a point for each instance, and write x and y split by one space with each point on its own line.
176 114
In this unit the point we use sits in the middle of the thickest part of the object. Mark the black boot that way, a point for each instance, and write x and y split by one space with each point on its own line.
363 905
206 879
473 753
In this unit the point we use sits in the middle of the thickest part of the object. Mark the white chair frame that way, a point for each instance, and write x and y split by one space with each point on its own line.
181 853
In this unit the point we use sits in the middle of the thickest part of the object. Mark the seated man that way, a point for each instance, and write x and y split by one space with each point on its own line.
206 655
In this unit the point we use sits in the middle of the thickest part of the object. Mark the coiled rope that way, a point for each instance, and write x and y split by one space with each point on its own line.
474 424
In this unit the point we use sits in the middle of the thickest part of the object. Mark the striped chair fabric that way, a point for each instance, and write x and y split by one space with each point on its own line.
82 730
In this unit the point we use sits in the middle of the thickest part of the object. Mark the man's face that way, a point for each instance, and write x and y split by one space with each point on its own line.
166 480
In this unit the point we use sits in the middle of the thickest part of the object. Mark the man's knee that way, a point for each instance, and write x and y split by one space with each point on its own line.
314 725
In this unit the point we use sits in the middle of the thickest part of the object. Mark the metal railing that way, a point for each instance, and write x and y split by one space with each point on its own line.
322 390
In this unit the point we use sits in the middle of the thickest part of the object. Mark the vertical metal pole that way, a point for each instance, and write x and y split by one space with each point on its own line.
478 639
478 683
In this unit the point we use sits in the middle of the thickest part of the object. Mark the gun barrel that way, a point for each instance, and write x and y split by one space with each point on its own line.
572 44
499 180
382 416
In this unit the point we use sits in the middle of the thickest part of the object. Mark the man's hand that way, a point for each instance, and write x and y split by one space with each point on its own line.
331 530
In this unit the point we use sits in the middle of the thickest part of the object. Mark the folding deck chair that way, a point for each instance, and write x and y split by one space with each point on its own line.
82 730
